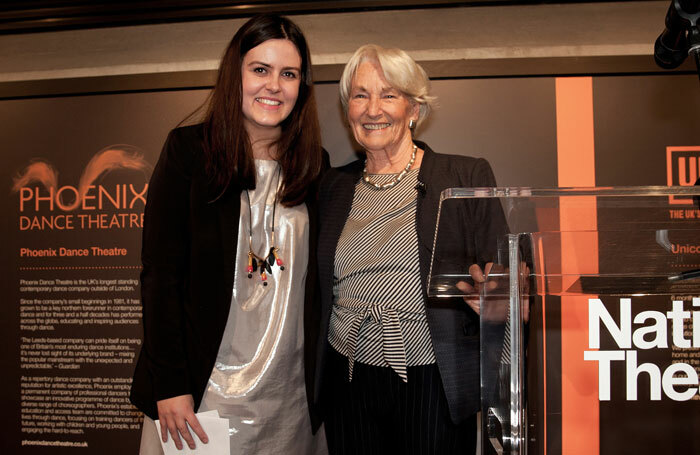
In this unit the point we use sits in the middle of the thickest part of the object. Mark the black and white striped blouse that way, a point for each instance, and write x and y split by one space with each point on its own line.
379 313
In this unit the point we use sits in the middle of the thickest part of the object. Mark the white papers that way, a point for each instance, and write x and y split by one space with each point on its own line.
216 429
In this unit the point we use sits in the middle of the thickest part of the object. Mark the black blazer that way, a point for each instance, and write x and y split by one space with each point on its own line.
188 255
454 327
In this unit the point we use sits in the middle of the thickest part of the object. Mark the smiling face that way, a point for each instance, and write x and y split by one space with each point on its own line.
378 113
270 78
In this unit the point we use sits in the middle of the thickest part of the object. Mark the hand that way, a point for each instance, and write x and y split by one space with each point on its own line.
175 414
472 296
482 281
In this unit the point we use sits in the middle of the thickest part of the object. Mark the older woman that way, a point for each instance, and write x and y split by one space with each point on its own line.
397 372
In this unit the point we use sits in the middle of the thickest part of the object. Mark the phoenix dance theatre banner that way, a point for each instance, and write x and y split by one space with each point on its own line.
75 177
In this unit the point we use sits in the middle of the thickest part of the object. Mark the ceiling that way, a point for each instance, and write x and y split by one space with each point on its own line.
449 39
31 16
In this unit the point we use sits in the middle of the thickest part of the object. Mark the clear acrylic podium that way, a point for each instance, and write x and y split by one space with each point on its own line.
586 314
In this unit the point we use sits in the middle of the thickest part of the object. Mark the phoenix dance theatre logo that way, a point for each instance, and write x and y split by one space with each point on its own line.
44 205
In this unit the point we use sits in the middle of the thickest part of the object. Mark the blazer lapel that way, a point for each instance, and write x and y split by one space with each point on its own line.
426 214
228 208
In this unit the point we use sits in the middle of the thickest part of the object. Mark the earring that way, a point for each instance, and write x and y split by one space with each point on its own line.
411 124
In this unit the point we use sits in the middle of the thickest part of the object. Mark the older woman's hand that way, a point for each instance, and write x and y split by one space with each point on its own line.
482 282
472 292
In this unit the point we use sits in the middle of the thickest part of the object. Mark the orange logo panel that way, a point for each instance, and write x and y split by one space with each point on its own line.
682 169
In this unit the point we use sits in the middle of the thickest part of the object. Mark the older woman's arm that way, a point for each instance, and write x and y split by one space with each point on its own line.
488 223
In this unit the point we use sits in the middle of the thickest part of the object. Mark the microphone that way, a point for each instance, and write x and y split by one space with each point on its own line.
681 35
420 186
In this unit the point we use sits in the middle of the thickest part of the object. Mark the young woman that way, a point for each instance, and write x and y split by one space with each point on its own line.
228 263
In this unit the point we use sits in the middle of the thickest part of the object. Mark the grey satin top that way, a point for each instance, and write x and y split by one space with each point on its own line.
258 379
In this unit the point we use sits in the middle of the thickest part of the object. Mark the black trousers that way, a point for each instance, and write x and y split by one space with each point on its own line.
377 413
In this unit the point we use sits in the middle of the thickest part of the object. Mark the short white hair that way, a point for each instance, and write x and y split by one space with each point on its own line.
400 70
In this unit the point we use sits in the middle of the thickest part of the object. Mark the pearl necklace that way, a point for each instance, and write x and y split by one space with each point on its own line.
397 178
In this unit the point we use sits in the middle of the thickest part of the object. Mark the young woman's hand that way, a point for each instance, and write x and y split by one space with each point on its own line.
175 414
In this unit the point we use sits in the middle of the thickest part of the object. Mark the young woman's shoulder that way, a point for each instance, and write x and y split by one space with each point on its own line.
184 146
189 136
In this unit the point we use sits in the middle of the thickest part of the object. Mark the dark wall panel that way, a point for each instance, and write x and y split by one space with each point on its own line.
636 118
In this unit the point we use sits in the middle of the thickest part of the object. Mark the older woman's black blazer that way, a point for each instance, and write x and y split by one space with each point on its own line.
454 327
189 251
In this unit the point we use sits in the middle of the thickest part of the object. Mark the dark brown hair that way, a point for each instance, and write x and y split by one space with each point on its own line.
229 156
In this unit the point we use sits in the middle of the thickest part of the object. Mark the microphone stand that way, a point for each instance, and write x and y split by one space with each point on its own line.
694 50
694 38
681 36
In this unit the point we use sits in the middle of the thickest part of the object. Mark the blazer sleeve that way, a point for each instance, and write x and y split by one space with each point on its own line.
486 218
164 255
